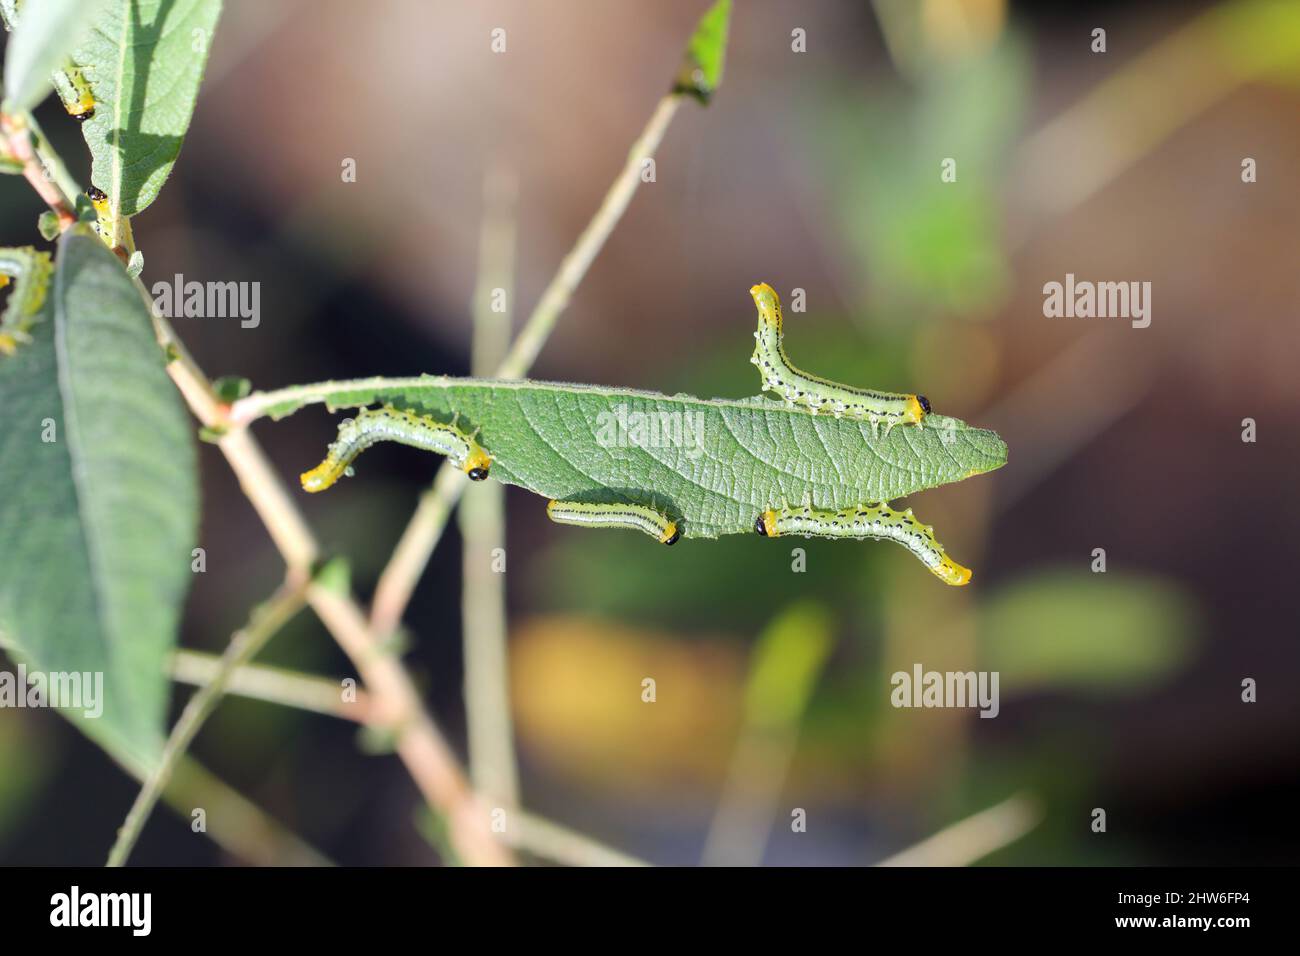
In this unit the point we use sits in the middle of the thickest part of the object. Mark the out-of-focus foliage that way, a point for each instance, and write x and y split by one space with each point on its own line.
1065 629
926 246
786 663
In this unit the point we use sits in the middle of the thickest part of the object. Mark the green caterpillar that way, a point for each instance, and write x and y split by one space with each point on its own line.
633 517
75 92
392 424
29 270
820 394
877 521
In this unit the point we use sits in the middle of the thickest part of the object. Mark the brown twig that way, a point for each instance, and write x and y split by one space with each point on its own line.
421 747
18 138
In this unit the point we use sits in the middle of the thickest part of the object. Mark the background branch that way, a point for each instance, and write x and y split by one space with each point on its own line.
977 836
490 733
411 556
275 685
265 622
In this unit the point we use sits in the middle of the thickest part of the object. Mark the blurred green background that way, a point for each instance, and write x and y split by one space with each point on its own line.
818 171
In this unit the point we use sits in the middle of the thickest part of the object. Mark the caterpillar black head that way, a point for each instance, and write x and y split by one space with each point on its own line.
477 463
96 194
924 403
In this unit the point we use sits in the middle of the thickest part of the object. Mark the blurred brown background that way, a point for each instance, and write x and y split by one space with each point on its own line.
820 171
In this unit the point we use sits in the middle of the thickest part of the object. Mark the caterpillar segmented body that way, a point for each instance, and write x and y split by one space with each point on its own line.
407 428
30 272
819 394
75 92
634 517
877 521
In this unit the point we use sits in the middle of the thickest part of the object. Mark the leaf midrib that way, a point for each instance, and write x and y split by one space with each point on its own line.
72 434
259 404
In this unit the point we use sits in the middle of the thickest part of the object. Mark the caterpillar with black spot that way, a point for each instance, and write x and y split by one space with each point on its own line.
75 92
877 521
29 270
633 517
820 394
407 428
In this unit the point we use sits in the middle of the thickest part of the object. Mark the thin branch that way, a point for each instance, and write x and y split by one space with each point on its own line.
275 685
421 746
525 830
969 840
52 162
411 556
574 267
493 770
426 755
235 823
265 622
268 496
784 669
18 138
552 841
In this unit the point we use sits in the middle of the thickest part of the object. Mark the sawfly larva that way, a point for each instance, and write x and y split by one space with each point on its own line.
877 521
634 517
30 272
820 394
407 428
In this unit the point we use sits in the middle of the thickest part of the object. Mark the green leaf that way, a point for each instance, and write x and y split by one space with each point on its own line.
97 524
144 61
741 456
231 388
785 665
47 224
701 69
46 33
1258 38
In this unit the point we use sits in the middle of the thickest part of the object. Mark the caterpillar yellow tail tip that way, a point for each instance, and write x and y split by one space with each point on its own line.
950 572
321 477
765 298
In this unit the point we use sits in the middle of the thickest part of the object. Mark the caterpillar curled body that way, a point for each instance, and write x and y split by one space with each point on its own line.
75 92
634 517
30 272
820 394
877 521
407 428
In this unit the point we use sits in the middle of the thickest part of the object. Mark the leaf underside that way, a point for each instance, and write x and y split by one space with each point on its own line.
144 60
97 525
751 454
